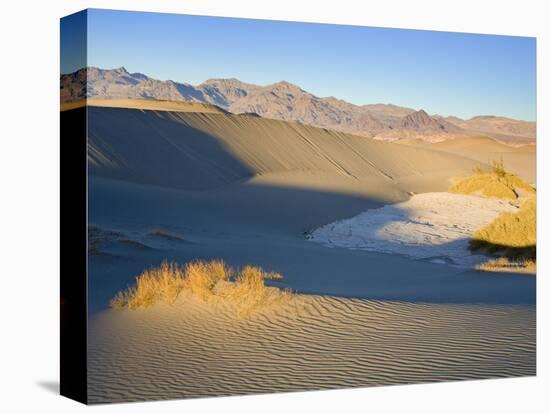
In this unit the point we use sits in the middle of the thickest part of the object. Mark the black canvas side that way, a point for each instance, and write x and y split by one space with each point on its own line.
73 181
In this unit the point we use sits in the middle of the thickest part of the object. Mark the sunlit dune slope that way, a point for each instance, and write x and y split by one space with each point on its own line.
203 150
146 104
520 160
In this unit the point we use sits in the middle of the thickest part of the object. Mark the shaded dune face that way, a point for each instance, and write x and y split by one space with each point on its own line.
199 151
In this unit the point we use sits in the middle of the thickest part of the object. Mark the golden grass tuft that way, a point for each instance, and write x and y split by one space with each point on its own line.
512 235
504 264
496 182
156 284
202 277
209 281
249 292
511 230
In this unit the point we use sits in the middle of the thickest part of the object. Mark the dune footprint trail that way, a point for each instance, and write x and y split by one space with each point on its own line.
191 349
432 226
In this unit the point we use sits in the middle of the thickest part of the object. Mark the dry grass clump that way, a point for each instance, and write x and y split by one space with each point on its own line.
504 264
495 182
202 277
162 284
514 236
512 230
249 292
209 281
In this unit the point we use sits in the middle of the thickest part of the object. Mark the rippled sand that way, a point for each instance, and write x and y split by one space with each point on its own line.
191 349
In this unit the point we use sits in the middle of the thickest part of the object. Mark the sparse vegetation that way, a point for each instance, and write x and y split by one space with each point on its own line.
497 167
504 264
201 278
517 231
495 182
156 284
513 235
248 292
209 281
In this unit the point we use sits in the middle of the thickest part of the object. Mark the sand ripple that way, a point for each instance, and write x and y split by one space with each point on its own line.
194 350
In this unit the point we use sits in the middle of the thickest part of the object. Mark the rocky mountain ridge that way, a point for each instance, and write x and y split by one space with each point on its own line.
288 102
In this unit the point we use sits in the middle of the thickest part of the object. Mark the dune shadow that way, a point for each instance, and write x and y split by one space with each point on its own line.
268 226
511 252
159 150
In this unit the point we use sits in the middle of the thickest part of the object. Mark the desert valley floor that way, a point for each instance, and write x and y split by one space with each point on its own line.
251 190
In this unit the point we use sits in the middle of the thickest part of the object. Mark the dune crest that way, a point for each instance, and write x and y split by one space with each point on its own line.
200 150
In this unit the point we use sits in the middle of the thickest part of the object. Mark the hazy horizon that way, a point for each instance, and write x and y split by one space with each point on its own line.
444 73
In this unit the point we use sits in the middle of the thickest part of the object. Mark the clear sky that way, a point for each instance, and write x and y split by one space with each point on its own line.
444 73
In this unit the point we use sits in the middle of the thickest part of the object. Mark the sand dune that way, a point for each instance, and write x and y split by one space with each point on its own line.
249 190
145 104
194 350
200 151
520 160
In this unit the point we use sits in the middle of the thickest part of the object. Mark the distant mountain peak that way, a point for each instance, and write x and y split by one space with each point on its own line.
419 119
221 80
284 85
286 101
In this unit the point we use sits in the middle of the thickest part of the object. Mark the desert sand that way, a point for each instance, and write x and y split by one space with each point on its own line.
251 190
518 159
149 104
190 349
432 226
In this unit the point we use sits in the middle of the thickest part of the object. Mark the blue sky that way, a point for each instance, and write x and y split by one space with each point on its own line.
443 73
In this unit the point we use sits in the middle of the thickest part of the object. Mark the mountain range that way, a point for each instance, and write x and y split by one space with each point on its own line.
288 102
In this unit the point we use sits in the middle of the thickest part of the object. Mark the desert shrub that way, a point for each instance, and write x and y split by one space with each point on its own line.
209 281
248 292
122 299
484 184
504 264
497 167
496 182
156 284
201 277
513 234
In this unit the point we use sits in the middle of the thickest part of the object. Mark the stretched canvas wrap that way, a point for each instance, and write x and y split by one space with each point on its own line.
254 206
